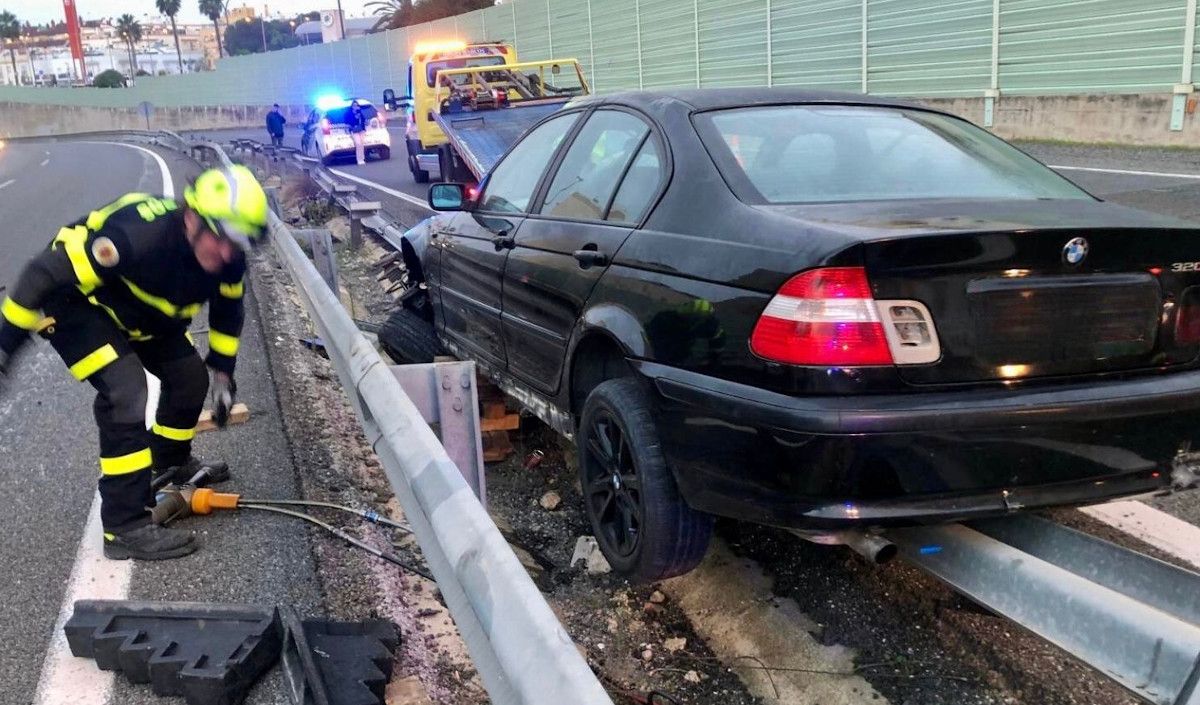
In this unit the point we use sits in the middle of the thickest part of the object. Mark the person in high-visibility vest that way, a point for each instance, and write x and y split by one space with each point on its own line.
114 293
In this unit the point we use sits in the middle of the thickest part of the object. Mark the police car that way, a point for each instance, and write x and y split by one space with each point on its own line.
333 138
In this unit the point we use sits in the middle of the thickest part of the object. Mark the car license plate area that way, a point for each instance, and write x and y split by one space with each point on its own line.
1081 318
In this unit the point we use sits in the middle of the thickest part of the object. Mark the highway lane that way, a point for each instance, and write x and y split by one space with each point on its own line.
48 451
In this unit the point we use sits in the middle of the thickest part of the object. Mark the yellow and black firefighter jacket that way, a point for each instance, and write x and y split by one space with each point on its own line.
131 260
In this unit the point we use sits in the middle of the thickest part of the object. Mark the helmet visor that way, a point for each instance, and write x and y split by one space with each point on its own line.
234 232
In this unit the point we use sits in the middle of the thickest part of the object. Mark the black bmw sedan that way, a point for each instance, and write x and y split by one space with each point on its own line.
826 312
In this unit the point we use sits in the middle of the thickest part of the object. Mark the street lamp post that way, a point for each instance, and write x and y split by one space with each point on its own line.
341 20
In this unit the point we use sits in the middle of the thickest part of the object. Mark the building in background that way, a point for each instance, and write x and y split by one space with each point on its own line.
327 29
237 14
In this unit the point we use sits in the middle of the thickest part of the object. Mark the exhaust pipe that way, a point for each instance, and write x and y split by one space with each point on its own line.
873 547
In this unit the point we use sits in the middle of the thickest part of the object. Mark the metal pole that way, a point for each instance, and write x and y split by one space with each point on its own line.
549 29
996 44
770 79
1189 42
864 45
262 24
696 26
341 20
591 45
637 14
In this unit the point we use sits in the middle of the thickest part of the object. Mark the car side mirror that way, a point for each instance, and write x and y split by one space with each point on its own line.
448 197
389 99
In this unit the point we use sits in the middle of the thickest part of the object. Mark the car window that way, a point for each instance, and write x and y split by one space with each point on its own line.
511 184
639 187
593 165
815 153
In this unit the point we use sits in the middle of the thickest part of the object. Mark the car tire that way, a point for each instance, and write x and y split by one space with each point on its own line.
670 538
420 176
408 338
445 164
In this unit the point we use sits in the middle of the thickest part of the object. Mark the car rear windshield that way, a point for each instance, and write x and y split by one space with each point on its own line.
837 153
341 116
433 67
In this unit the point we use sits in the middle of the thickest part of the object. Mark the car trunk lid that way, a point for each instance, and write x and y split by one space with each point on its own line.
1029 288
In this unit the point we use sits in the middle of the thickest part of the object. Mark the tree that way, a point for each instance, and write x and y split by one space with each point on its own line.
392 13
109 79
246 37
212 9
10 30
170 8
130 30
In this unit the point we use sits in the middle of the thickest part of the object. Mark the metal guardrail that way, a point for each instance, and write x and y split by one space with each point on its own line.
518 646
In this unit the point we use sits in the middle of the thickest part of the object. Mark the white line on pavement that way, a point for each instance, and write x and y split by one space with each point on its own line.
67 680
45 162
1127 172
8 183
1152 526
402 196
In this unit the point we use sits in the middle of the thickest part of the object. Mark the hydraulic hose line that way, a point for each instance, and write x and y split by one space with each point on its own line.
367 514
390 558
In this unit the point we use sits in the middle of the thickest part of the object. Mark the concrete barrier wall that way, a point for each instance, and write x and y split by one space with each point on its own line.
1125 119
27 120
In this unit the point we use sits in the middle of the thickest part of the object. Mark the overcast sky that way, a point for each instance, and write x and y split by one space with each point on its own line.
42 11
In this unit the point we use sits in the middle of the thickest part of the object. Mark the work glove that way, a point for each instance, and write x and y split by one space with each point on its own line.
224 392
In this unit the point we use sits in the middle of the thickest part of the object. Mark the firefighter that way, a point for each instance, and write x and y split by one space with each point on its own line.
114 293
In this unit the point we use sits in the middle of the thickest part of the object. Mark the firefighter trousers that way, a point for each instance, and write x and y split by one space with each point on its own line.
96 349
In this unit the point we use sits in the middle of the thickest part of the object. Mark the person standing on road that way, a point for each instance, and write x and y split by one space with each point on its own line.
310 129
118 290
275 123
358 128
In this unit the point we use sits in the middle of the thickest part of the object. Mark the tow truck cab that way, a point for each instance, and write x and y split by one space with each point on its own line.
422 134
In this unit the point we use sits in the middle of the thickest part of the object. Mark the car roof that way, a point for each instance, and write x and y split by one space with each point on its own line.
700 99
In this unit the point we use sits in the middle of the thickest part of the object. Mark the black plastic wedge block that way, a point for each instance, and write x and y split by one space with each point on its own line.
210 654
337 663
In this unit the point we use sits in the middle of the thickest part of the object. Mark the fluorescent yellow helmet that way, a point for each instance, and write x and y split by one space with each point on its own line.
232 202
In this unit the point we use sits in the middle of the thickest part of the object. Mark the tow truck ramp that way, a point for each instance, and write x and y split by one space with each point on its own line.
1132 617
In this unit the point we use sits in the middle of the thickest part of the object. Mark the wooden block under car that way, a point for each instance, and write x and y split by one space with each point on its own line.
496 446
239 414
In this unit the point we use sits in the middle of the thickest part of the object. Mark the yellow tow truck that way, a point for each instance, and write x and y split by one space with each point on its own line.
467 103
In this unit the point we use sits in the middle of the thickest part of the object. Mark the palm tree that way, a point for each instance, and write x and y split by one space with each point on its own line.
212 9
170 8
131 31
393 14
10 29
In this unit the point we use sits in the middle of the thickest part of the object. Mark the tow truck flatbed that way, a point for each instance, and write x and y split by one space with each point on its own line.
483 110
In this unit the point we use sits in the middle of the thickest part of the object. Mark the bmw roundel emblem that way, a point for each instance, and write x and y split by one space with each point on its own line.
1075 251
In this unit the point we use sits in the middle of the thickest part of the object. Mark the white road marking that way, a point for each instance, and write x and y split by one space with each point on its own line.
10 182
402 196
1167 175
67 680
1155 527
45 162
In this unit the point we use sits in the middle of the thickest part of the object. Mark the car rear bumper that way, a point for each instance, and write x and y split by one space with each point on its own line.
834 462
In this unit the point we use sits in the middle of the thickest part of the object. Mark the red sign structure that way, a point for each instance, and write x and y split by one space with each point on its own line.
75 39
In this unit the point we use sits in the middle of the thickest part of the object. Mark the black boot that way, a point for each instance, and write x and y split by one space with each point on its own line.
149 542
194 472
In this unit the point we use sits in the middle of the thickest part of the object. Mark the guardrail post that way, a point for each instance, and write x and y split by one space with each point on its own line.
273 200
321 243
358 211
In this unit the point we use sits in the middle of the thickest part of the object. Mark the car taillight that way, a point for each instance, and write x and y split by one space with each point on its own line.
823 317
325 127
1187 320
500 96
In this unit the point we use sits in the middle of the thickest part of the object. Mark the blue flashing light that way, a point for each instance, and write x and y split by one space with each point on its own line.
330 101
930 550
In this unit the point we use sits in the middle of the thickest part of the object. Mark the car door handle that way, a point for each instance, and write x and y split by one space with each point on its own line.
590 258
504 242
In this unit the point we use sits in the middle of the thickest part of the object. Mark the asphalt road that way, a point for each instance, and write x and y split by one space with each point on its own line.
48 444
